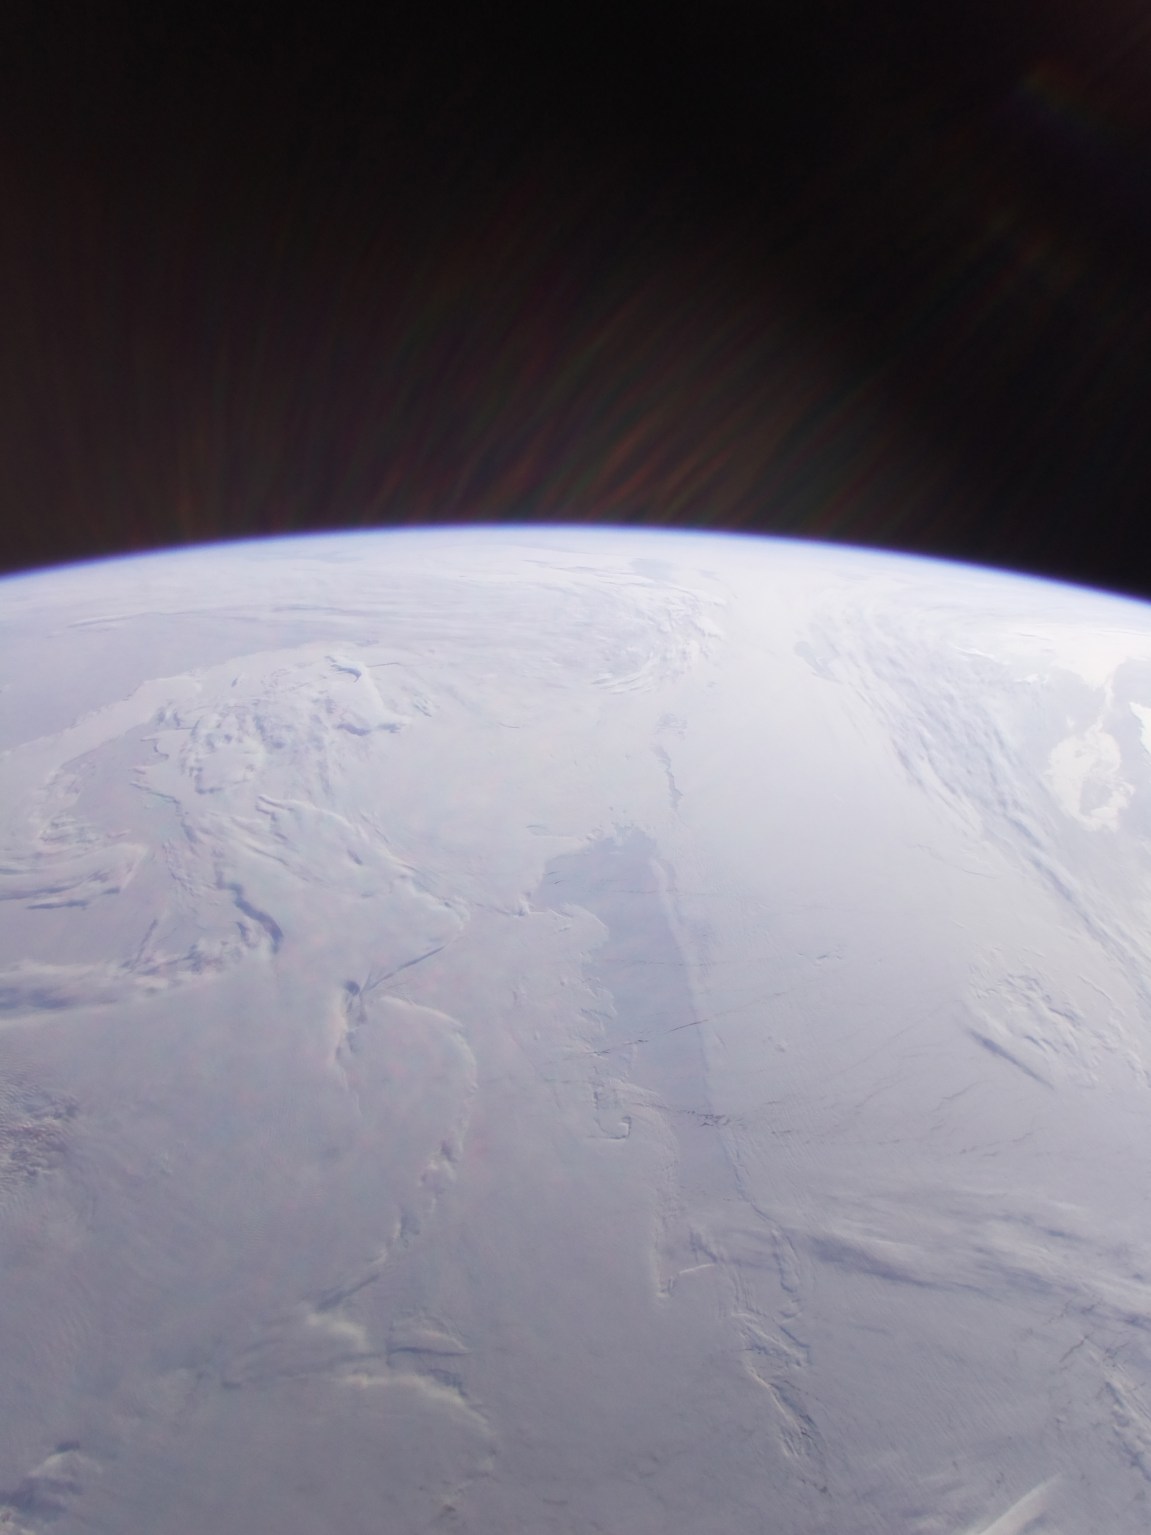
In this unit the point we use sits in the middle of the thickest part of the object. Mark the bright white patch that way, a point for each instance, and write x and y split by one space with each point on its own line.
1143 715
1083 774
1092 651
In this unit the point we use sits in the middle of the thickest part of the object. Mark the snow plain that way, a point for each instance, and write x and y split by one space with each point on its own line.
562 1031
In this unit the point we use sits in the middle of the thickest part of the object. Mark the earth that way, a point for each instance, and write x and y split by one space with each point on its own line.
560 1031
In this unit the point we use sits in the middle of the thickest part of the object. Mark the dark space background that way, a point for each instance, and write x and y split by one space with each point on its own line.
878 273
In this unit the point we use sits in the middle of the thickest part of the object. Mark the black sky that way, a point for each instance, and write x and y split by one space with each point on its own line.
879 273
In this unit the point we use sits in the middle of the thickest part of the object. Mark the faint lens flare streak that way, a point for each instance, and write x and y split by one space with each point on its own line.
1021 1515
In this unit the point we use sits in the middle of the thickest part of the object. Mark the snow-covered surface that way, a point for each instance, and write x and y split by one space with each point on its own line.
563 1031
